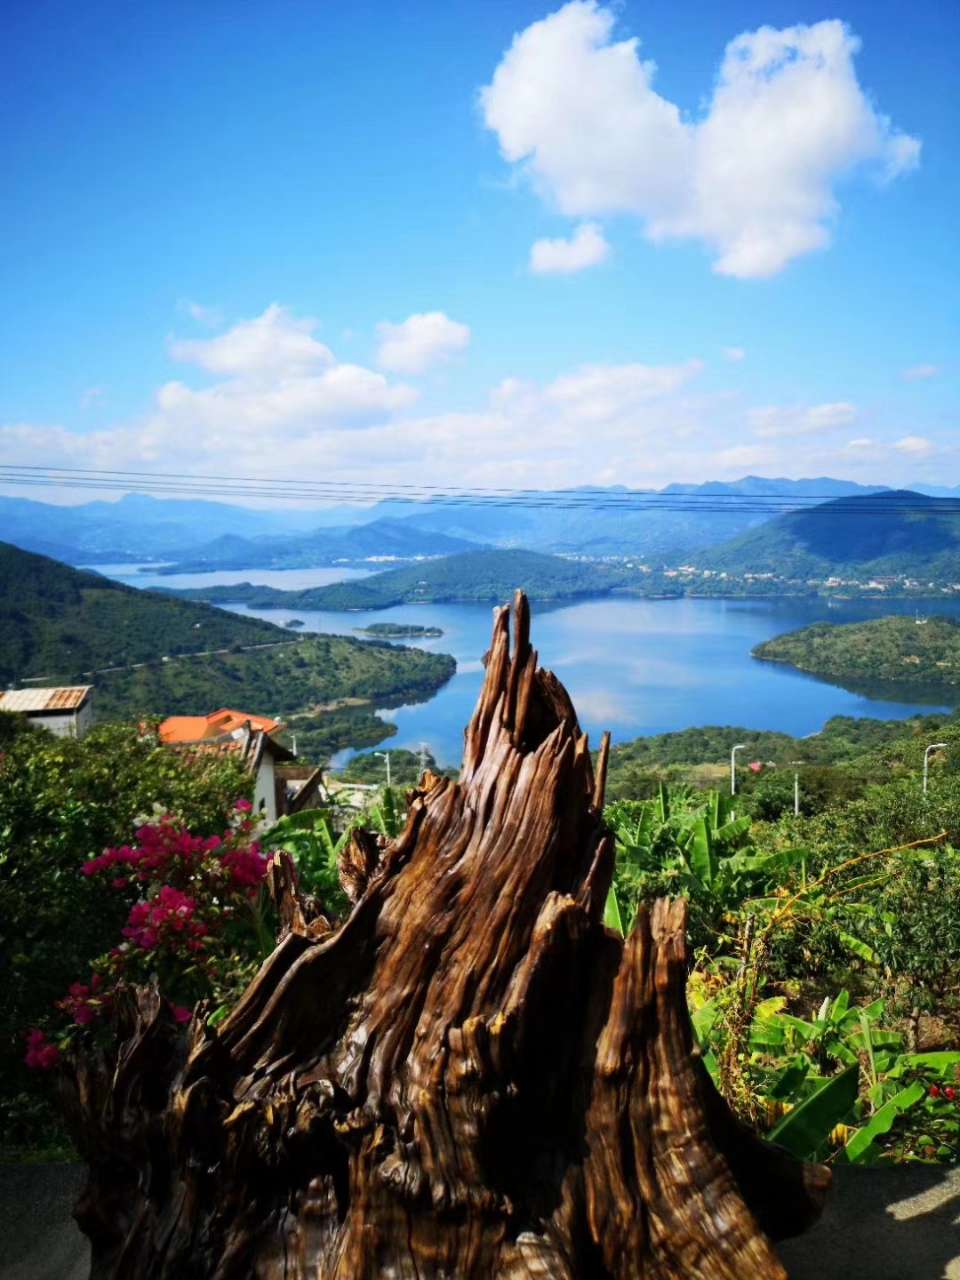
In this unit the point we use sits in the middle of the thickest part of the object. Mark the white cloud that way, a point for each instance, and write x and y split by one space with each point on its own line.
278 378
779 420
734 354
275 343
920 372
345 393
914 446
585 248
753 178
630 423
420 342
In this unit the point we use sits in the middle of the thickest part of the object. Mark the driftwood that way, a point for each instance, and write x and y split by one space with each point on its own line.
470 1078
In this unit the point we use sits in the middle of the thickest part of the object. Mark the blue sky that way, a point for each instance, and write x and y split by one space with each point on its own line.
211 213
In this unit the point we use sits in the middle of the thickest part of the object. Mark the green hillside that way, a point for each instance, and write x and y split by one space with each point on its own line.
60 623
471 577
56 621
847 753
895 533
897 650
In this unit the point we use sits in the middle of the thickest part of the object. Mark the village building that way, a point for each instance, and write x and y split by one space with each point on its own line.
279 787
65 711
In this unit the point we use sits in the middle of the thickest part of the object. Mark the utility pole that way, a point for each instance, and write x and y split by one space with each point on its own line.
934 746
733 766
424 751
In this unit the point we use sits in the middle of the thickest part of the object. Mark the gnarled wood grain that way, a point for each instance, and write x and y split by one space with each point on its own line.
469 1078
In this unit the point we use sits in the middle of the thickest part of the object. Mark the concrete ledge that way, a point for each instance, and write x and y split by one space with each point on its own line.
883 1224
39 1239
890 1224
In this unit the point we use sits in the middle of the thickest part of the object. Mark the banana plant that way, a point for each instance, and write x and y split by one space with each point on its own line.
692 844
310 839
844 1082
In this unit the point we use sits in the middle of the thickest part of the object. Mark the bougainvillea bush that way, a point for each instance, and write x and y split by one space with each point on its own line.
63 801
195 923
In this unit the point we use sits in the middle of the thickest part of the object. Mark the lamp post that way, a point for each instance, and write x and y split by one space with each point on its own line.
385 755
796 787
733 766
934 746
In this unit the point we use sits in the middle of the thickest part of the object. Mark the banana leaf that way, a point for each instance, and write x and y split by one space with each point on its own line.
804 1130
858 1148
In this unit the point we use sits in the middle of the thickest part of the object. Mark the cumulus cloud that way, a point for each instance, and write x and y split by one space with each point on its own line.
420 342
275 376
274 344
734 354
630 423
914 446
920 372
753 178
778 420
585 248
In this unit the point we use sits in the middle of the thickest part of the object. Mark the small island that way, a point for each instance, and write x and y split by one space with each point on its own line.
398 631
901 652
292 623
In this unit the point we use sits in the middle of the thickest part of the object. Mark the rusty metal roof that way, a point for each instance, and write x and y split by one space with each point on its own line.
41 701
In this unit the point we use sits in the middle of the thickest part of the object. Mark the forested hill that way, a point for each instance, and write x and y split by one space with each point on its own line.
897 651
153 655
58 622
897 532
472 577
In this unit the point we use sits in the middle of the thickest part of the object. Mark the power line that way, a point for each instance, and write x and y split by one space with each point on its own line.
628 501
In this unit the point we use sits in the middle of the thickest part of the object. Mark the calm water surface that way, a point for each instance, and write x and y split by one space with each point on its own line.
632 666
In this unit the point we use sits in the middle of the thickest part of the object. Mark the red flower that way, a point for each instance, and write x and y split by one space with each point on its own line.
935 1091
949 1093
243 806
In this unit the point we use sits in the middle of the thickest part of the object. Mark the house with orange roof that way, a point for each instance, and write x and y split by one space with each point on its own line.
250 737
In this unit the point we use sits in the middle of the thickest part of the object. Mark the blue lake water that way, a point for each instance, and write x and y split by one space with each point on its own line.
631 666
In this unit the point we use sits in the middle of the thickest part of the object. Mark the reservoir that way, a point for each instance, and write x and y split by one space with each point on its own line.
632 666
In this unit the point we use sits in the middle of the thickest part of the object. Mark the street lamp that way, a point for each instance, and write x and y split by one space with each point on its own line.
934 746
385 755
796 787
733 766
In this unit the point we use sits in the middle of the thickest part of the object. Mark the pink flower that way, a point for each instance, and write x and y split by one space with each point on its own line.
40 1055
755 766
247 867
181 1013
243 806
163 919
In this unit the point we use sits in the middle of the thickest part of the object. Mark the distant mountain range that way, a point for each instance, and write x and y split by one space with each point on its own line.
590 521
897 532
380 539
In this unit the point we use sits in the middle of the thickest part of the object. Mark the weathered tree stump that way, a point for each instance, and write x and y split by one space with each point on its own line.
470 1078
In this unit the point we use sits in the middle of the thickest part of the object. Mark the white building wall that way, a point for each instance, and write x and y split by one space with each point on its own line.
64 726
265 789
68 724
